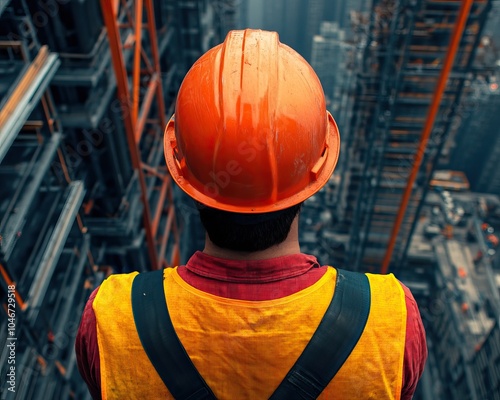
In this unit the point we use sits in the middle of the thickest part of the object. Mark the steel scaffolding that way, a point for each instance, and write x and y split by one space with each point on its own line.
406 47
160 221
85 192
38 250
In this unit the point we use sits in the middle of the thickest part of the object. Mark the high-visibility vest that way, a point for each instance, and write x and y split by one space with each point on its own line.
243 349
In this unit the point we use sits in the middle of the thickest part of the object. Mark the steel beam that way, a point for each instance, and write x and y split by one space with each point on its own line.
67 294
426 132
136 108
23 198
25 98
55 246
115 44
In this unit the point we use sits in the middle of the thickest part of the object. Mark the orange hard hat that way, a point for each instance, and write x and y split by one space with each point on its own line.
251 132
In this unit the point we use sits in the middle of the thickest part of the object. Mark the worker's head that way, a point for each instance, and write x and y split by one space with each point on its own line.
251 134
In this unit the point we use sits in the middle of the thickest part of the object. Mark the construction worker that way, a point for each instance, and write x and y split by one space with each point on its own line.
250 316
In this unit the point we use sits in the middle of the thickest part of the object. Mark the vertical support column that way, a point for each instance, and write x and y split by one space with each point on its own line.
156 61
110 15
160 221
429 123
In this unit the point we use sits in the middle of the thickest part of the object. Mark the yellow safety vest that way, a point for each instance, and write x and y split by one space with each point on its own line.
243 349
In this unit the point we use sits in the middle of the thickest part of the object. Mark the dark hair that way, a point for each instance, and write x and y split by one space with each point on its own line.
247 232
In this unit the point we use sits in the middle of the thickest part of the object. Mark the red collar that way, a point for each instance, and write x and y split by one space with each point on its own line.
251 271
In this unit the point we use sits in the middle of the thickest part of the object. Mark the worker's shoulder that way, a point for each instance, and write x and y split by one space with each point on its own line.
115 284
384 280
120 279
389 285
408 294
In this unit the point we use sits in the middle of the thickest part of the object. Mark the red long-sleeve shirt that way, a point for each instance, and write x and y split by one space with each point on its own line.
253 280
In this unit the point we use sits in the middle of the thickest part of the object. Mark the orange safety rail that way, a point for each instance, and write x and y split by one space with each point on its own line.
429 123
10 282
137 17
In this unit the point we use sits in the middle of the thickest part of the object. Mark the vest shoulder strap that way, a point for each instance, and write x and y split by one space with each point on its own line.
331 344
161 343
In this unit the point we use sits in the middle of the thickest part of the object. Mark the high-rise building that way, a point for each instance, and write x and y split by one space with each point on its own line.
314 15
339 11
477 143
296 21
284 17
328 56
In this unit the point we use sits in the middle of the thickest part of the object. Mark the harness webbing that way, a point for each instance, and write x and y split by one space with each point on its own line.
326 352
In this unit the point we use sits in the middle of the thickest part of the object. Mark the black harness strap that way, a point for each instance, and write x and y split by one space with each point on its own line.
331 344
158 337
333 341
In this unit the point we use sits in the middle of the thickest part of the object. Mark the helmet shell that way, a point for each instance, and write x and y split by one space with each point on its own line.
251 132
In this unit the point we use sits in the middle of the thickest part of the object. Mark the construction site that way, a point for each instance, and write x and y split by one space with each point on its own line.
87 88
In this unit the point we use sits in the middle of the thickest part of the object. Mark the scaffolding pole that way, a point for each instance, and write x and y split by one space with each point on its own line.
429 123
140 27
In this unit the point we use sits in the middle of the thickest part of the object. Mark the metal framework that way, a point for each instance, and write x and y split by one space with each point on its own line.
131 28
44 246
398 77
429 123
80 169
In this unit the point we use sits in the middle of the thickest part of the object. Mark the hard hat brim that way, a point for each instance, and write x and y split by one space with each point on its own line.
320 174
